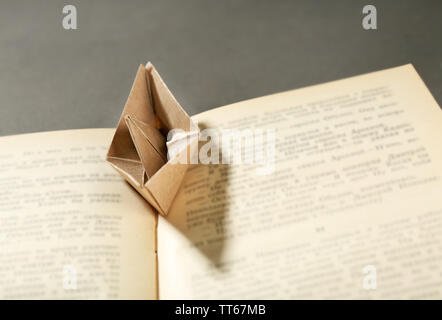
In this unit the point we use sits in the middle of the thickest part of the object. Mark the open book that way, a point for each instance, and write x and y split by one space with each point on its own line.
353 208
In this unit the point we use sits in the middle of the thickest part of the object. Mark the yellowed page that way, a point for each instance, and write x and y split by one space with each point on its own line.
70 227
353 209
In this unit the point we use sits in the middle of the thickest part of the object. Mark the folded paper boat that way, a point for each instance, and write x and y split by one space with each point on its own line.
139 151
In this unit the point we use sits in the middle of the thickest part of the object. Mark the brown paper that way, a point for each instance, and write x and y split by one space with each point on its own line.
138 150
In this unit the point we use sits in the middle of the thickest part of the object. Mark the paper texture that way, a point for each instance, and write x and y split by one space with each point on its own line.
138 150
70 227
357 183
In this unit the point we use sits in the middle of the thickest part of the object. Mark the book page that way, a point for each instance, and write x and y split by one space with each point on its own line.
70 227
353 208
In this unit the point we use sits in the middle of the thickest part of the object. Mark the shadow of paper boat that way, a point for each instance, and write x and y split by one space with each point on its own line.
138 149
202 210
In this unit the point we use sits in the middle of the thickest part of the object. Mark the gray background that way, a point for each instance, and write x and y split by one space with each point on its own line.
209 52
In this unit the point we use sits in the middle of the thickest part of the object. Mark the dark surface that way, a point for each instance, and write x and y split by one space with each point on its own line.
209 52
